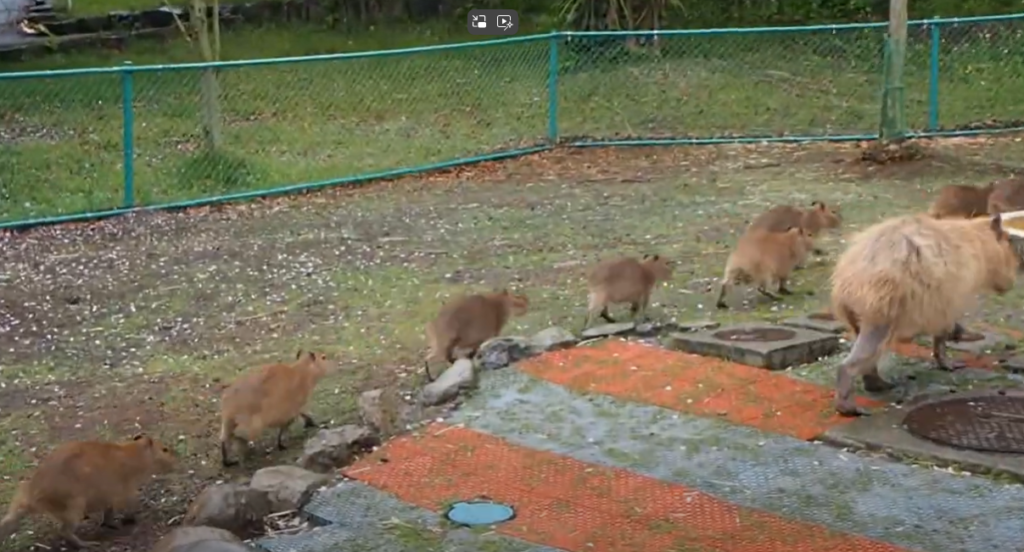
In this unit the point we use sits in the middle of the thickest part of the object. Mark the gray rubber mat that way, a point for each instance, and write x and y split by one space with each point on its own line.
359 518
913 507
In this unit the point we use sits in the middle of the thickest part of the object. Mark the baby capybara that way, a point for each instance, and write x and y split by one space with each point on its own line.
467 321
764 259
269 397
961 201
624 280
1007 195
88 477
909 276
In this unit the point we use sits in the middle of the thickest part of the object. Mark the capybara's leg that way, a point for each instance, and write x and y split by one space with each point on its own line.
764 291
783 290
863 359
108 519
607 317
942 361
873 382
722 291
957 334
307 420
69 520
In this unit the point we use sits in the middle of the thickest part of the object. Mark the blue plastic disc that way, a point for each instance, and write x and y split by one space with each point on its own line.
480 513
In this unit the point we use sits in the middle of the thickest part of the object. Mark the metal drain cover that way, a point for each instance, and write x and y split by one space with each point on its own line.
991 423
480 512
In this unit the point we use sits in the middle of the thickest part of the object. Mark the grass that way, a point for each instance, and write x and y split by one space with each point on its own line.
136 324
318 121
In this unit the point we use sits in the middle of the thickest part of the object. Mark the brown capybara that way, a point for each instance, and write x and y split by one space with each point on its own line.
960 201
467 321
813 221
88 477
269 397
624 280
908 276
764 258
1007 195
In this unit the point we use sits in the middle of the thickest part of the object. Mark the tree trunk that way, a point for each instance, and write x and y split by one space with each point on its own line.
209 88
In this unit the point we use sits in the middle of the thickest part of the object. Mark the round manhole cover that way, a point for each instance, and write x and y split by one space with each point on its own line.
755 334
480 512
821 316
992 423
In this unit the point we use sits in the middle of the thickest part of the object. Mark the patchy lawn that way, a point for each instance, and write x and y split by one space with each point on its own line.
135 324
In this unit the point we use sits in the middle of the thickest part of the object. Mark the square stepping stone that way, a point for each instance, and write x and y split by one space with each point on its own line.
762 345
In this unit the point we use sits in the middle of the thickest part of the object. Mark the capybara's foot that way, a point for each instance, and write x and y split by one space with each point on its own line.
785 291
721 305
875 384
950 365
850 410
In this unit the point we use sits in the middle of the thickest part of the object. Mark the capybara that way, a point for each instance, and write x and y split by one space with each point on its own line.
763 258
783 217
88 477
1007 195
200 539
960 201
269 397
908 276
467 321
624 280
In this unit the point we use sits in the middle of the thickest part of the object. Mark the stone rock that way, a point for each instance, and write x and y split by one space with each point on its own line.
383 410
230 506
499 352
1014 364
552 339
288 487
335 448
608 330
200 539
697 325
459 376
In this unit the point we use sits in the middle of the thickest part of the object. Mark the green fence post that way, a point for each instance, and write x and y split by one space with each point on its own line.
553 88
933 79
128 137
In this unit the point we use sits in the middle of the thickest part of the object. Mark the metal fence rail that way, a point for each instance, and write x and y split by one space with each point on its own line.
78 144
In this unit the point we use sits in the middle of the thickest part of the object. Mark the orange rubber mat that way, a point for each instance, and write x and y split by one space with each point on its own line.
699 385
580 507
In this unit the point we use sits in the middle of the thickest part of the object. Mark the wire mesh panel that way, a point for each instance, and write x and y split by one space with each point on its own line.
720 85
207 132
981 72
60 146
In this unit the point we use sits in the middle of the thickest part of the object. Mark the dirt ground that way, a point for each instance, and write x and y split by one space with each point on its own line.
134 325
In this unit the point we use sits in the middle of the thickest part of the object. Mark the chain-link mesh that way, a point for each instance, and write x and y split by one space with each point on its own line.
200 133
315 121
721 85
60 146
981 73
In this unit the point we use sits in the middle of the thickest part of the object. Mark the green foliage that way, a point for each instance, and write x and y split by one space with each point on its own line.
217 171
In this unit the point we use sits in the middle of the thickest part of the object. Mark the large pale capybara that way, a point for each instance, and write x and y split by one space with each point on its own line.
467 321
961 201
624 280
764 259
908 276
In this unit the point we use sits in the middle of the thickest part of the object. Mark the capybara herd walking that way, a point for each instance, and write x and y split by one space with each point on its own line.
900 278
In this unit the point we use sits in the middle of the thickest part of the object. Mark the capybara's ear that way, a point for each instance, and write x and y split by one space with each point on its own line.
298 355
647 256
655 257
997 225
139 436
818 205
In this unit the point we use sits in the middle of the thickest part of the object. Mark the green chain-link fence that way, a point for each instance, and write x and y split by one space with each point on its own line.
71 145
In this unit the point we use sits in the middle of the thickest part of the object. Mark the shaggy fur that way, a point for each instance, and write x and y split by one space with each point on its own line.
763 259
959 201
909 276
624 280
